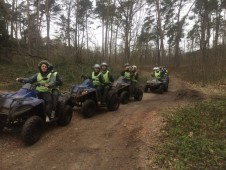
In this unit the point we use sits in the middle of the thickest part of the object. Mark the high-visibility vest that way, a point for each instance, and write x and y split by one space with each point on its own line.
96 81
106 77
43 82
127 75
158 74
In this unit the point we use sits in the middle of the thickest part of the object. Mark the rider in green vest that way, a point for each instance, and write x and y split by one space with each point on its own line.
46 81
108 79
98 80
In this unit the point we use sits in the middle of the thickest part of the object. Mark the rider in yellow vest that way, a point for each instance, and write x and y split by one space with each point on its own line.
46 81
98 80
157 73
108 79
126 73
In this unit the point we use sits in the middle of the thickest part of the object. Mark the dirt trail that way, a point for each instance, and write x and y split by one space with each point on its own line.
126 139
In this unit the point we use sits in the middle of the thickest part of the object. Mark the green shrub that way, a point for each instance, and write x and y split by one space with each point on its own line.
195 137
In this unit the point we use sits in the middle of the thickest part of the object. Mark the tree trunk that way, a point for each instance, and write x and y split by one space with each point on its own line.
69 23
103 44
29 28
12 19
48 27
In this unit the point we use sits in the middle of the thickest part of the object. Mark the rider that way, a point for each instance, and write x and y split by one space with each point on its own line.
129 77
134 72
157 73
45 78
126 73
108 79
98 80
55 89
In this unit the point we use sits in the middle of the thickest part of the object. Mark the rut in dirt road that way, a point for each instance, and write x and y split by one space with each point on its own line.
125 139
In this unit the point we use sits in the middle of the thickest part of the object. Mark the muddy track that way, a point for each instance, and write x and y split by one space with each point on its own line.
125 139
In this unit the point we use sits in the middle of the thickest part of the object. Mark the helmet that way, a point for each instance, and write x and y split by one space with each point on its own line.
134 67
127 68
104 64
155 68
127 64
96 66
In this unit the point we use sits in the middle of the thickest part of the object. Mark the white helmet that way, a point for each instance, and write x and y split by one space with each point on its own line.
96 66
155 68
104 64
134 67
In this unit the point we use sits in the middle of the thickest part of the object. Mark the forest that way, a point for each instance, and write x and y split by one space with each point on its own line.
164 32
180 128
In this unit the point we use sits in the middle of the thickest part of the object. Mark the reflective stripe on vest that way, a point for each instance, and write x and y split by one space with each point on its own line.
96 81
106 77
41 81
127 75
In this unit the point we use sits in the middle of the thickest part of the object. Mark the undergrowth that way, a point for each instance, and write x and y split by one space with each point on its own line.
195 137
70 73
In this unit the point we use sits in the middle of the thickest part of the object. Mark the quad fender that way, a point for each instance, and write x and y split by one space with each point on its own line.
36 106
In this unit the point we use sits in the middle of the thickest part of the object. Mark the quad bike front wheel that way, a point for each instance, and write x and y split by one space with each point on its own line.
114 103
66 116
32 130
88 108
124 97
139 95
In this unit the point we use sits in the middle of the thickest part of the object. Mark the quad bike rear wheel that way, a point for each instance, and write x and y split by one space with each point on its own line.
124 97
145 89
114 103
1 126
88 108
32 130
166 88
66 116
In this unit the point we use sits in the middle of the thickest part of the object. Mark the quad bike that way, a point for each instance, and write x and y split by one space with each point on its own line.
156 85
85 97
126 90
25 109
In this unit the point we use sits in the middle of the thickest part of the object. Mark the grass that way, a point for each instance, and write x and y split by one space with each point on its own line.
195 137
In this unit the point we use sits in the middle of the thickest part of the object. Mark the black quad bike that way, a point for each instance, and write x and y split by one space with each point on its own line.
85 96
156 85
127 90
24 109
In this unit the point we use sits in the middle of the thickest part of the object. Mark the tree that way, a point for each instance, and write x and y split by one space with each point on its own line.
4 36
51 8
